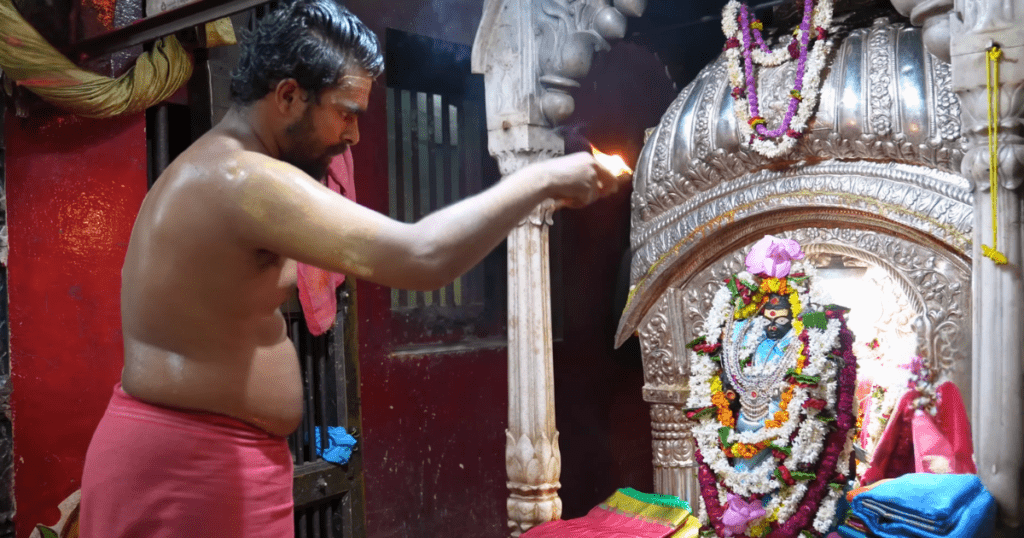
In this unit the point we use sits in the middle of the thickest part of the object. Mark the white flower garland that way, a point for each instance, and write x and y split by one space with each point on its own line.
701 367
702 516
827 510
721 309
758 480
927 399
784 504
808 444
881 411
816 57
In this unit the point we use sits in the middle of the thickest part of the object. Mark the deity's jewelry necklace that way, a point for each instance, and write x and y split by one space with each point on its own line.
755 390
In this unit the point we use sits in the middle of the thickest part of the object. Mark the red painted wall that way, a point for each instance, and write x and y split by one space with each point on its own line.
74 187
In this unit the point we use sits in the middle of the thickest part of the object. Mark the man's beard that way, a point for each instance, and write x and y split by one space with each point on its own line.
316 168
302 139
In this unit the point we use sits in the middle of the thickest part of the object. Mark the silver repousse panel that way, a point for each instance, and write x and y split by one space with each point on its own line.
885 142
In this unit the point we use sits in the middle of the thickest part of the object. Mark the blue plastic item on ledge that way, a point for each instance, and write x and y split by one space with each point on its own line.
339 445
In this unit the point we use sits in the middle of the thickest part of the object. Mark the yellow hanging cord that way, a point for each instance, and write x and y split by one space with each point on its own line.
992 82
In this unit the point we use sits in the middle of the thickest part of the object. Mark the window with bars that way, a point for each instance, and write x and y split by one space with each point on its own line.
437 155
431 142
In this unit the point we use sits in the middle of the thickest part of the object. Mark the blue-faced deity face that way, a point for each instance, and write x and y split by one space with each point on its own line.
778 314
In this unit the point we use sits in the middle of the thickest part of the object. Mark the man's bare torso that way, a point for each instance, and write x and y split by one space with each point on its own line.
200 306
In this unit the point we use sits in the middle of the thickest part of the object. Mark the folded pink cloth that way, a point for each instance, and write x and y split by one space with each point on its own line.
318 287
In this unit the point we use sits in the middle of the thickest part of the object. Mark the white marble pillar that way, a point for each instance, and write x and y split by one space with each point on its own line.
531 52
997 404
532 458
506 53
962 37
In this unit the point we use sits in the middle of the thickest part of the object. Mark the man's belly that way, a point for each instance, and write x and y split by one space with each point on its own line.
262 387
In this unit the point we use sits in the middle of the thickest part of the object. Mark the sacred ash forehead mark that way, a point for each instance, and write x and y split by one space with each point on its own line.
355 82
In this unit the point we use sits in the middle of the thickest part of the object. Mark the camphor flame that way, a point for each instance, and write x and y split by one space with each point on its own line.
614 163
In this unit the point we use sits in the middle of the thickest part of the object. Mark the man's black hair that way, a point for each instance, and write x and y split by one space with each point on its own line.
310 41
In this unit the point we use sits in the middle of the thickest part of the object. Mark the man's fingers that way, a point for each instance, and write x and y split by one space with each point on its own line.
612 185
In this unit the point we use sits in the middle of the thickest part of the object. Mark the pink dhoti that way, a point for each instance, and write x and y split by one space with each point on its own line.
157 472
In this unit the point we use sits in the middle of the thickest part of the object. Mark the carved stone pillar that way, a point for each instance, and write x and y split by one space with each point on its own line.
675 469
933 18
532 458
998 292
531 52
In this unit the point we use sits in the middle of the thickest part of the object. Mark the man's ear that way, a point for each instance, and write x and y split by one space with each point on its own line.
287 95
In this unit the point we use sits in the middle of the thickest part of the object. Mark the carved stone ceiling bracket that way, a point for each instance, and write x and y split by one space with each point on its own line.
536 51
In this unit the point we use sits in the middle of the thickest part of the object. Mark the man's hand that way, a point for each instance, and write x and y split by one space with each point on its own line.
577 180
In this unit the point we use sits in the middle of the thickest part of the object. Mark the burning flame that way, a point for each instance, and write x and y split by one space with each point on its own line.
614 163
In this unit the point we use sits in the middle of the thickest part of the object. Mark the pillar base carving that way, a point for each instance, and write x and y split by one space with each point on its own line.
539 504
533 466
675 468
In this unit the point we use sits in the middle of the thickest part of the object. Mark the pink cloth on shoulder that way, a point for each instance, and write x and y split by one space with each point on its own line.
318 287
894 453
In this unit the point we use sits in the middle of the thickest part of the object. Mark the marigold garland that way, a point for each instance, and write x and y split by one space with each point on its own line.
801 472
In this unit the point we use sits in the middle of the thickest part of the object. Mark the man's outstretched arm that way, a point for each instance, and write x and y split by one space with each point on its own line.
276 207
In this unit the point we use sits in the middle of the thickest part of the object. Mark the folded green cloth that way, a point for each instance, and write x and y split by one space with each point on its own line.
670 501
628 513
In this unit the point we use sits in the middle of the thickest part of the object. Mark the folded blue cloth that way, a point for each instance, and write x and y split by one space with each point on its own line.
339 444
850 532
928 506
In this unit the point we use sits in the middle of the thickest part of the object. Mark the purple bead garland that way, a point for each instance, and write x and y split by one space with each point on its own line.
748 64
748 43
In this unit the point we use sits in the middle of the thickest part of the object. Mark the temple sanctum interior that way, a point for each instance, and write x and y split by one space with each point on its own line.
804 315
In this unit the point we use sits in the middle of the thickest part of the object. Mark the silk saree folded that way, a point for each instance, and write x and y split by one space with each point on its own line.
628 513
925 505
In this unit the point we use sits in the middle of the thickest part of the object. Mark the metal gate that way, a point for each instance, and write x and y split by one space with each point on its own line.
328 496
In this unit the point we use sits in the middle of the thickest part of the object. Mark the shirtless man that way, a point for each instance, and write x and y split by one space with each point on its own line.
193 442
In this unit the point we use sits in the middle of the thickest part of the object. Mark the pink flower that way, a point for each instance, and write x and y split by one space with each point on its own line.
739 514
773 257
